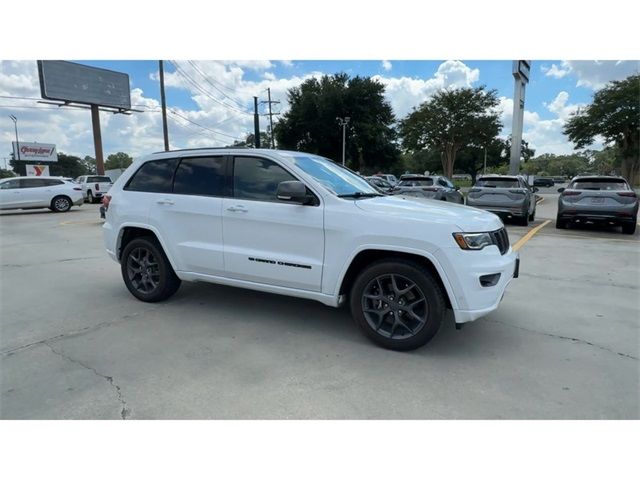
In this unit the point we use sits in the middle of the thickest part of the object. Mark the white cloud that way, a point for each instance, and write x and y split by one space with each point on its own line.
405 93
386 65
286 63
593 74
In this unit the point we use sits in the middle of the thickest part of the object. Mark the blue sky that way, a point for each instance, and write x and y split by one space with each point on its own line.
202 116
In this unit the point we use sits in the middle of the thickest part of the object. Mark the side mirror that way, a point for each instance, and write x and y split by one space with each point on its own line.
456 188
560 190
292 191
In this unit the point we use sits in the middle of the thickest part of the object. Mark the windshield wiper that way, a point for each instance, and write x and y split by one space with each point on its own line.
360 195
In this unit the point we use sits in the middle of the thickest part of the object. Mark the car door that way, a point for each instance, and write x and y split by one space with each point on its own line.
267 240
34 192
184 208
10 194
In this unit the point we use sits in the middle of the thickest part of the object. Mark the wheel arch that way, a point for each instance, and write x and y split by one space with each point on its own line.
366 256
132 231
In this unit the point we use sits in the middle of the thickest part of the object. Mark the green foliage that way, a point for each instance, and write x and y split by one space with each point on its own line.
89 164
6 173
117 160
615 115
471 159
249 141
310 125
450 121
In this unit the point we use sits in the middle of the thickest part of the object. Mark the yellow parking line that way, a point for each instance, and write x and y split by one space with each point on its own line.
518 245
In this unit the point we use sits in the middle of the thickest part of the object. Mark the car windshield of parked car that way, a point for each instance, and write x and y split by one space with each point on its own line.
416 182
335 178
498 183
599 184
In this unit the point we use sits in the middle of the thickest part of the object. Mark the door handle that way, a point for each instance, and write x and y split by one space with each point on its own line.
237 208
165 202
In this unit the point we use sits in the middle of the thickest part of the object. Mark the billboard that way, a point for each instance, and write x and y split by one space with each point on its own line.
37 170
35 152
72 82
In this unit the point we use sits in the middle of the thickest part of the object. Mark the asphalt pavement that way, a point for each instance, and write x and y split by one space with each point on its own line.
74 344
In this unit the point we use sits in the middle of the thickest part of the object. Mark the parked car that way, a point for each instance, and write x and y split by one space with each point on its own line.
301 225
388 177
94 186
39 192
435 187
380 183
598 199
543 182
508 196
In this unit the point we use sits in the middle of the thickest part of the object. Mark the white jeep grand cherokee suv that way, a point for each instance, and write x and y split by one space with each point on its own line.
301 225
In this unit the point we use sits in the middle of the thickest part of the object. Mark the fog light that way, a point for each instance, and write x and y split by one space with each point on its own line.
489 280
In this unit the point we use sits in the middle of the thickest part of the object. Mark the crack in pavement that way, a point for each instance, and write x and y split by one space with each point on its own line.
576 340
124 413
73 333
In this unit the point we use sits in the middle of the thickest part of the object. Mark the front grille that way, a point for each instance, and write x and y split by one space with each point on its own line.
501 239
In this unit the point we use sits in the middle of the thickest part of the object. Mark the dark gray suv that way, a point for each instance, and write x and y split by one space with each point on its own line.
505 195
435 187
598 199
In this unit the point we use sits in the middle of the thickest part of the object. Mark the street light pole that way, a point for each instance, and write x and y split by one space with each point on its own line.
343 122
15 124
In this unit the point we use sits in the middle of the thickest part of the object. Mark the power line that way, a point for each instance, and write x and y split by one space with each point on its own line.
201 89
210 83
202 126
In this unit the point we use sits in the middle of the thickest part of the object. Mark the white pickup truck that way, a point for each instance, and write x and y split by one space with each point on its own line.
94 186
301 225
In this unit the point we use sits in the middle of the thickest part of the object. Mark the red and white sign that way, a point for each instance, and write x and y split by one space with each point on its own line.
35 152
37 170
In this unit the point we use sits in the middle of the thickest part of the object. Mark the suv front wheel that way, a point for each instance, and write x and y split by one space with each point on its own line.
398 304
146 270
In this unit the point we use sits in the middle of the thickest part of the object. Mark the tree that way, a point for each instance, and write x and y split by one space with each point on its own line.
310 125
614 114
89 164
117 160
6 173
250 141
450 121
471 159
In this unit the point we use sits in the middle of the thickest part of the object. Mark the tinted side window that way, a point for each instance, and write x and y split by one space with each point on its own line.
50 182
200 176
155 176
32 182
258 178
10 184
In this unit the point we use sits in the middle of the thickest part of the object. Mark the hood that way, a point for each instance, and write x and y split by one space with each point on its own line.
463 218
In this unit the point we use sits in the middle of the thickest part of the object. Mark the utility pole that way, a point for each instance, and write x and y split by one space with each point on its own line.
15 124
165 130
343 123
256 123
271 114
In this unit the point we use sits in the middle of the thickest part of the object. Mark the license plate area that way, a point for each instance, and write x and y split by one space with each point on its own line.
597 201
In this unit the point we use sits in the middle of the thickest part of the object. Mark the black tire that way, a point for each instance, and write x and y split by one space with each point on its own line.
532 217
524 220
561 224
61 204
415 326
629 228
90 198
155 281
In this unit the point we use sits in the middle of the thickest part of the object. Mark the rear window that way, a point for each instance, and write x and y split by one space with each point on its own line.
200 176
417 182
599 184
155 176
498 183
99 180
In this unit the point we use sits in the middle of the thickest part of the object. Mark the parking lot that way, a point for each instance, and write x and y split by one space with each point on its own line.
76 345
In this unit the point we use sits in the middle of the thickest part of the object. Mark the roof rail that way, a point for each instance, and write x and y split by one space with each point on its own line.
204 148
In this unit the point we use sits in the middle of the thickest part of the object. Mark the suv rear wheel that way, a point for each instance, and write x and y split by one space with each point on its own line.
398 304
146 270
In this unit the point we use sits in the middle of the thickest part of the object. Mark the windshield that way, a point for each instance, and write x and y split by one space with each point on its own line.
498 183
599 184
335 178
416 182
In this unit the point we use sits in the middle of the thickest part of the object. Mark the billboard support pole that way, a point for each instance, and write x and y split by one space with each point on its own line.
97 138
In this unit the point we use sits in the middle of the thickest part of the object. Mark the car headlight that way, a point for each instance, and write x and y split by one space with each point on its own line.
473 241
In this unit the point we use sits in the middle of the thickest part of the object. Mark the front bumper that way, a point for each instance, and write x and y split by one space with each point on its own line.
472 300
